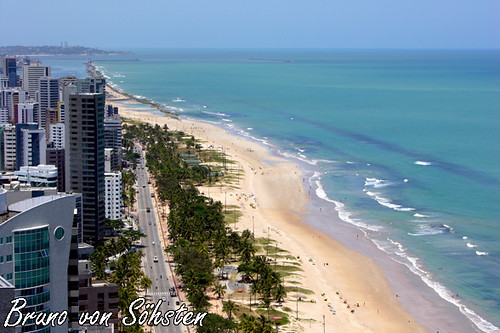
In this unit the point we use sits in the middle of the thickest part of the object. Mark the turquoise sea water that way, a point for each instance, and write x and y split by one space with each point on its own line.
403 144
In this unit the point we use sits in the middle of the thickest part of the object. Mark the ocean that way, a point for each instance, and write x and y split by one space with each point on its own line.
402 144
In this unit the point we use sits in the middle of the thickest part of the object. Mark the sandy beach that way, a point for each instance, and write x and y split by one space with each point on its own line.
337 275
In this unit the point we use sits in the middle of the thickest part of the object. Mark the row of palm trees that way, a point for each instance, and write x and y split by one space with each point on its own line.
200 240
128 188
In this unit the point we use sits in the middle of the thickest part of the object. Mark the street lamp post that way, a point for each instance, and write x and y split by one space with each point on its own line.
253 227
297 313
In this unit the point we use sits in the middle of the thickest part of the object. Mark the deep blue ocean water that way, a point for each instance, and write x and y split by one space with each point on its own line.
404 144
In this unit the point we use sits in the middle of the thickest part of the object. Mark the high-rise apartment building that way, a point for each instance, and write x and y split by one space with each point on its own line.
26 112
113 139
4 115
113 195
9 147
61 112
85 156
48 96
55 156
92 85
11 98
30 145
4 83
10 71
31 75
57 135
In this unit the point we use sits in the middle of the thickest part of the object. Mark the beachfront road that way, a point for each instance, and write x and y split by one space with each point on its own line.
154 261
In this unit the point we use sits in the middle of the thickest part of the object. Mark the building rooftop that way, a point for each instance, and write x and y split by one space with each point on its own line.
24 205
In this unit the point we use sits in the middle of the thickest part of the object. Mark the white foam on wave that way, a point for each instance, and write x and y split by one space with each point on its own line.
450 229
249 128
422 163
387 202
420 215
178 100
465 237
393 247
471 245
340 208
376 183
426 230
216 114
415 267
227 120
299 157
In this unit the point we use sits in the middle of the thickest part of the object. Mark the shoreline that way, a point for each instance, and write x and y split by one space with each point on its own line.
371 287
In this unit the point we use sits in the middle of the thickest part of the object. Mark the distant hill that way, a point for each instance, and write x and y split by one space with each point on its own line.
55 50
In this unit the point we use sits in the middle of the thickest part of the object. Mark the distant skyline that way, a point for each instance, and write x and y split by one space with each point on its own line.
253 24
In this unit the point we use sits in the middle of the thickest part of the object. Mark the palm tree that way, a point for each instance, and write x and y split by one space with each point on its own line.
220 290
229 307
279 293
247 323
247 250
263 326
145 283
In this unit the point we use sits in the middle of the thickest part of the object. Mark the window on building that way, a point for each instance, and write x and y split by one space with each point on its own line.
8 239
8 258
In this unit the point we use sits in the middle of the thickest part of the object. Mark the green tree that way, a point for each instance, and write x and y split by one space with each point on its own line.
229 308
219 290
214 323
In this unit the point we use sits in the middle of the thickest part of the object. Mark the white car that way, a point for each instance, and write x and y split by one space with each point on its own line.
153 243
155 259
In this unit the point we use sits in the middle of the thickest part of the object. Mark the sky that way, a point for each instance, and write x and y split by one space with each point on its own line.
119 24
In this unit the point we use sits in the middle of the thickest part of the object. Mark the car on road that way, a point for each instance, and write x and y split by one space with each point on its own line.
153 243
155 259
148 209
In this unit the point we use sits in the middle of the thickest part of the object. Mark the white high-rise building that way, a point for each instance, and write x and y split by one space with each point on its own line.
33 147
9 148
4 115
26 112
57 135
113 200
31 75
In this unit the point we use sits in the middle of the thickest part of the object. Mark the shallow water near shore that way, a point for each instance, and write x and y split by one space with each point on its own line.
401 144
